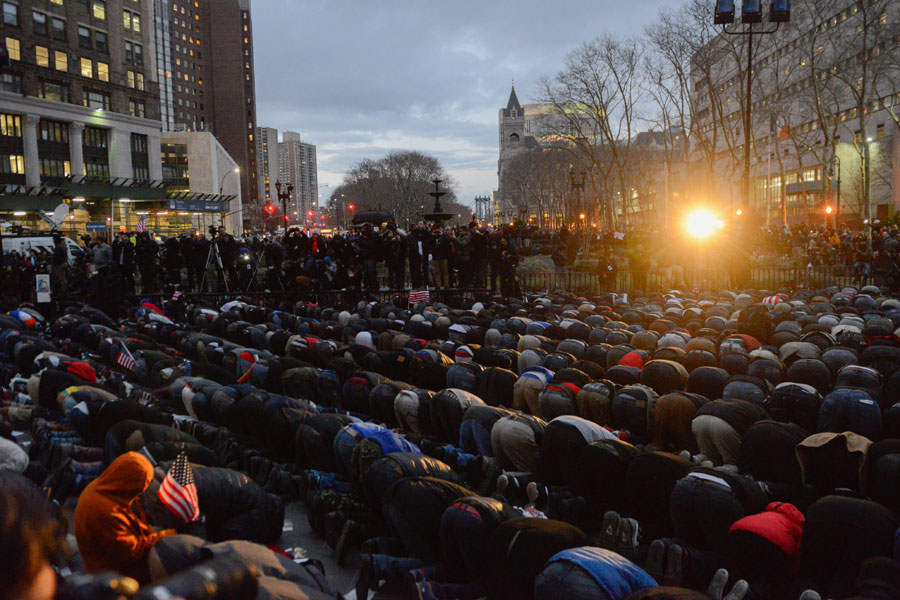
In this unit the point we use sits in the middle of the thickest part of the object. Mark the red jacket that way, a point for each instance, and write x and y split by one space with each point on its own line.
781 523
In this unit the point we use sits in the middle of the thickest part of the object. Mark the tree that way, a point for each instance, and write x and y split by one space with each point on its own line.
595 107
399 183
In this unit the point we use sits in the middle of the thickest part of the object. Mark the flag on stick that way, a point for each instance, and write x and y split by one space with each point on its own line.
179 492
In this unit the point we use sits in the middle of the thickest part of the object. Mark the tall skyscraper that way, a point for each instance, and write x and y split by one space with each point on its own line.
267 163
204 59
298 166
79 97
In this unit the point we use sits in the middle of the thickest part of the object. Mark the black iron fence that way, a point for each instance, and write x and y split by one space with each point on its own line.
769 278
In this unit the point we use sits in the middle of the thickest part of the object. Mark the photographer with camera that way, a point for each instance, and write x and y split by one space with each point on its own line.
228 251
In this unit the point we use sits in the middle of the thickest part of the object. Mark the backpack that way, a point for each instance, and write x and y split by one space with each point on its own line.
747 387
756 321
865 378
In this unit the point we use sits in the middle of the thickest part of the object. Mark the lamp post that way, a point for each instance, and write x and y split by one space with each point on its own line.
237 171
578 188
751 13
835 169
284 197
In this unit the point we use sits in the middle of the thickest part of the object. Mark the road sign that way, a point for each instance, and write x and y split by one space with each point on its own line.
95 226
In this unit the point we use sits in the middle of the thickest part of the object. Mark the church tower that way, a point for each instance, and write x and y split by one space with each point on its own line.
512 140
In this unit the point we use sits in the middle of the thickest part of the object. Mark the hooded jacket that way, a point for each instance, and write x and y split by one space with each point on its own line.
112 533
781 524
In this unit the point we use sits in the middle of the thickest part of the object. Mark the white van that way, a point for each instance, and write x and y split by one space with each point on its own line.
26 243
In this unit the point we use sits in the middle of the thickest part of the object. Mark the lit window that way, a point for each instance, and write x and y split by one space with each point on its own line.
62 61
100 9
87 67
136 22
15 49
102 71
126 18
42 56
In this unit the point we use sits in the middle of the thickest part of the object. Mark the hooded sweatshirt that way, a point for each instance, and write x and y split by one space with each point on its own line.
113 533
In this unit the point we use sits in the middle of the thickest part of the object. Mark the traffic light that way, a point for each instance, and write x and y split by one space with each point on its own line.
724 12
352 207
311 214
269 208
286 218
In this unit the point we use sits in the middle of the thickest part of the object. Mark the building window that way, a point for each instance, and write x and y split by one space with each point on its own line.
53 131
879 131
10 14
53 91
13 164
87 67
102 71
39 23
54 167
126 19
14 47
99 9
92 99
58 29
42 56
137 108
84 38
138 143
136 80
101 43
138 54
96 170
57 2
10 82
61 59
10 125
95 137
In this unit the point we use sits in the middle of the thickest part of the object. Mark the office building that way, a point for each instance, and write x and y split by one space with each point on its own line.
298 167
204 58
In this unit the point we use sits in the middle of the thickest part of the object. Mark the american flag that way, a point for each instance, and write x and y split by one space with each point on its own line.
125 358
179 492
176 295
142 225
419 296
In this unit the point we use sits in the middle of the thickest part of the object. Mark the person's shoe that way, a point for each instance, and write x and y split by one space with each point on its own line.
656 560
628 535
537 494
608 530
675 559
334 526
350 537
367 578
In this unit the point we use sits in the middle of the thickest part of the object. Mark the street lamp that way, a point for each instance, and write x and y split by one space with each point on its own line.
578 188
237 171
751 13
835 169
284 197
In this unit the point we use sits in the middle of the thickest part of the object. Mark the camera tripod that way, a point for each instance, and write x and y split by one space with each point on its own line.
214 258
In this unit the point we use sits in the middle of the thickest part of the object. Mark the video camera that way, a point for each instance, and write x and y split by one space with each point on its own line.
213 230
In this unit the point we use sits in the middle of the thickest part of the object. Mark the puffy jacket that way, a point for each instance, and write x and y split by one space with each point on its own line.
615 575
781 523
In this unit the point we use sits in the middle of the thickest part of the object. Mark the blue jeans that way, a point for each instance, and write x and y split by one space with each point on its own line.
344 443
565 580
474 438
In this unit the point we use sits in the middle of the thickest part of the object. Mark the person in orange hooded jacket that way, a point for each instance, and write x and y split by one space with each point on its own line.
111 529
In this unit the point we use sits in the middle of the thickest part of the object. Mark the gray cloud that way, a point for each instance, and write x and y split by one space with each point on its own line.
360 78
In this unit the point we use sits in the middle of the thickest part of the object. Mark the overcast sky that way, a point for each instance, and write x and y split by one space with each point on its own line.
360 78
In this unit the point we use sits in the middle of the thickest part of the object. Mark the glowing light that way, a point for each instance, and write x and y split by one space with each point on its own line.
79 199
739 212
828 210
702 223
581 216
19 213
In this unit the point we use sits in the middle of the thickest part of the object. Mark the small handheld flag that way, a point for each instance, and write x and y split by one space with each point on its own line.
179 492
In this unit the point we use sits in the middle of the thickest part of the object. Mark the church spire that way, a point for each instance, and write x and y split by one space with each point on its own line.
513 107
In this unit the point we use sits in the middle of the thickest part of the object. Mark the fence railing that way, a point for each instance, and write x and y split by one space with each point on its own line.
770 278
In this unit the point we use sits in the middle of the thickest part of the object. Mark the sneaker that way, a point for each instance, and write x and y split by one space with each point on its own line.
628 535
675 559
608 530
537 494
419 590
656 560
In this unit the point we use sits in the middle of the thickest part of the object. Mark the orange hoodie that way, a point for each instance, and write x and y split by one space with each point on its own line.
112 534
